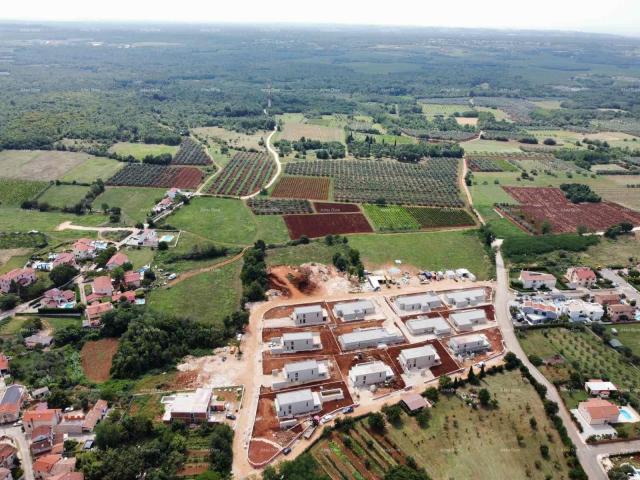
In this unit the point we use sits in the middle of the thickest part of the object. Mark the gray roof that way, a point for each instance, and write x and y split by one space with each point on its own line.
301 366
351 307
438 323
11 395
468 339
297 336
419 352
422 298
615 343
307 309
369 334
294 397
468 316
464 294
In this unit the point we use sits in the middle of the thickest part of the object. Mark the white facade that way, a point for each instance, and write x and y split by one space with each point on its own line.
422 302
465 321
469 344
419 358
298 402
581 311
466 298
295 342
305 371
311 315
351 311
369 337
537 280
425 326
370 373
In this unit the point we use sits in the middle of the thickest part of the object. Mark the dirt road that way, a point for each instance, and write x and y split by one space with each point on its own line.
276 158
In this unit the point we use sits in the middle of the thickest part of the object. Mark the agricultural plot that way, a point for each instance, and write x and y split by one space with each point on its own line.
63 195
246 173
443 110
301 187
13 192
42 165
278 206
330 207
191 153
449 135
294 131
476 164
92 169
135 203
145 175
233 139
96 356
441 217
432 183
321 224
141 150
538 205
390 218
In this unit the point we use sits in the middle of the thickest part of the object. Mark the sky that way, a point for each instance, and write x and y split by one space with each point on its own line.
608 16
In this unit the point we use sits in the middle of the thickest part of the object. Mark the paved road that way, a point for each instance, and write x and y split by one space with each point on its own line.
276 158
628 289
20 442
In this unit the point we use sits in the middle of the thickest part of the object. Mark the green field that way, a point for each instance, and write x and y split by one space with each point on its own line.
207 297
58 323
12 325
135 202
443 109
390 218
316 251
92 169
140 150
167 259
459 442
426 250
13 192
228 221
139 257
628 334
487 146
63 195
17 220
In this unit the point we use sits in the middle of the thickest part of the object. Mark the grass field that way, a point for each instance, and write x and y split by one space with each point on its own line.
92 169
139 257
63 195
17 220
628 334
425 250
12 325
390 218
499 114
13 192
459 441
294 129
39 165
442 109
185 244
228 221
140 150
58 323
232 139
316 251
207 297
611 252
486 146
135 202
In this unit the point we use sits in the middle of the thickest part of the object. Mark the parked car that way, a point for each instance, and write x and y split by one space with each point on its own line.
230 416
286 451
346 410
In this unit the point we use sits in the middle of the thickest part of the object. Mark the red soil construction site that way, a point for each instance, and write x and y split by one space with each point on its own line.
260 452
447 363
321 224
538 204
495 339
348 360
328 207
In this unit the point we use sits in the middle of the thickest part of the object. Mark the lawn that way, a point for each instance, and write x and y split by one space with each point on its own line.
207 297
17 220
139 256
165 259
628 334
135 202
63 195
13 192
459 441
141 150
316 251
228 221
92 169
12 325
426 250
58 323
611 252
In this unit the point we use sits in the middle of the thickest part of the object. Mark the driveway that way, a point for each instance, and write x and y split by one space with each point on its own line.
625 287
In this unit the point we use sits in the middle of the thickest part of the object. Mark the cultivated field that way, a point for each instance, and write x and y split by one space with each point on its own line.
319 225
141 150
329 207
13 192
245 174
390 218
233 139
63 195
294 131
92 169
39 165
191 152
397 218
303 187
278 206
146 175
96 358
444 110
628 334
135 203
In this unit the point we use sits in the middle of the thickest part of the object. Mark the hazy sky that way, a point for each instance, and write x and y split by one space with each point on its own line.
614 16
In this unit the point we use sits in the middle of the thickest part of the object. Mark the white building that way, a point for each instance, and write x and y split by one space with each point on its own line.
422 302
370 373
297 373
295 342
539 311
581 311
469 344
425 326
298 402
465 321
309 315
466 298
537 280
419 358
600 388
191 407
351 311
369 337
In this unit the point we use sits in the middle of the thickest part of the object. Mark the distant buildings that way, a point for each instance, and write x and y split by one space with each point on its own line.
423 302
352 311
424 326
117 260
537 280
295 342
621 312
466 298
466 320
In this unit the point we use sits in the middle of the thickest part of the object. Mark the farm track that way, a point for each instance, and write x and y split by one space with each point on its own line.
192 273
276 159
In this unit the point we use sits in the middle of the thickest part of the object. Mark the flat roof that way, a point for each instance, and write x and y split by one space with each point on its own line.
195 402
297 336
468 316
469 339
419 352
353 306
370 367
300 366
368 334
464 294
295 396
308 309
419 298
426 322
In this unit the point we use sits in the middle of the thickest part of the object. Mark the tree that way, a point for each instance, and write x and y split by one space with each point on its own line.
8 301
393 413
423 417
162 246
62 274
404 472
472 378
533 423
376 423
511 361
431 394
545 228
444 383
544 451
221 448
484 396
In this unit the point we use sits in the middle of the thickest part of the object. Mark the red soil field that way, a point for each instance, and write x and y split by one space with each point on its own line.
261 452
328 207
187 177
314 188
319 225
96 358
546 203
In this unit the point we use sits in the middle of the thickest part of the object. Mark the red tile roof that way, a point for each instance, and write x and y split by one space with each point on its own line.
102 283
621 308
582 273
6 451
599 409
527 275
98 309
46 463
95 415
41 430
17 272
4 362
118 259
132 277
129 296
40 415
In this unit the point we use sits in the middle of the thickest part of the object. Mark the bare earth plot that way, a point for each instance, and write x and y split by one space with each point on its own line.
96 358
233 139
39 164
293 131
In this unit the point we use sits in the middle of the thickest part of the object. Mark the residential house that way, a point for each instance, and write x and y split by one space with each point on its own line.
413 402
41 440
466 298
537 280
190 408
418 358
600 388
11 403
539 311
132 279
297 402
370 373
56 298
469 344
19 276
40 417
580 311
309 315
305 371
605 299
162 205
369 337
65 258
94 313
84 249
38 340
597 411
68 476
143 238
423 326
102 286
350 311
466 320
621 312
581 277
95 415
4 365
422 302
117 260
70 424
173 193
8 455
295 342
44 465
128 296
5 474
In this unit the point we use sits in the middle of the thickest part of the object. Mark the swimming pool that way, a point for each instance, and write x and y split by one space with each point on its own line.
166 238
625 415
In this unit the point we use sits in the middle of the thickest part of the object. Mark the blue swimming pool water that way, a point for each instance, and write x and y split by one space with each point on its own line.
166 238
625 415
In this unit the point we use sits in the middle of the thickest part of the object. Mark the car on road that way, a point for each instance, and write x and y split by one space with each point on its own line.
348 409
286 451
230 416
327 418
